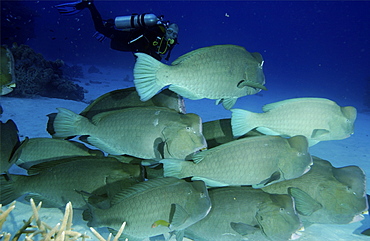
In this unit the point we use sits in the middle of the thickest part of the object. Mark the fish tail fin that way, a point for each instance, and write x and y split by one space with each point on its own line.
145 76
67 123
174 167
241 122
8 192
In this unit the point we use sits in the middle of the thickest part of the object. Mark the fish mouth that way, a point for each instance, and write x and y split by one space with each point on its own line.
306 170
190 156
359 217
297 234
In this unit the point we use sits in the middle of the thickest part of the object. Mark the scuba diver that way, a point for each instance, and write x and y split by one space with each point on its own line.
145 33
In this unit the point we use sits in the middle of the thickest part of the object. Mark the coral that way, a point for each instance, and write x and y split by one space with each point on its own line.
37 76
61 232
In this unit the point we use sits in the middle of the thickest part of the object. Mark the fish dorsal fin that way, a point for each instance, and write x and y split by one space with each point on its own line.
33 170
143 187
304 203
278 104
178 215
201 50
243 229
98 117
120 93
274 177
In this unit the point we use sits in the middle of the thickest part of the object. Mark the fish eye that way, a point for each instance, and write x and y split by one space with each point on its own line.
282 209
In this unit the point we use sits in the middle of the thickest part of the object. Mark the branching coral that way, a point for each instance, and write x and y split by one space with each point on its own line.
34 227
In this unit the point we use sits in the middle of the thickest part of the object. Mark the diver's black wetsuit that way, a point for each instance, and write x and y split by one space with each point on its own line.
149 40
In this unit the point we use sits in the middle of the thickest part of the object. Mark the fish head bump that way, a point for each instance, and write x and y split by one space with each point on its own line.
344 196
277 217
298 160
184 138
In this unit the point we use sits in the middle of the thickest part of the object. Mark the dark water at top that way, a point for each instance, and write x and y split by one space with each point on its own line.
310 48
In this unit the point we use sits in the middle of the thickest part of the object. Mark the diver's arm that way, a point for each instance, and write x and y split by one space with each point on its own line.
98 22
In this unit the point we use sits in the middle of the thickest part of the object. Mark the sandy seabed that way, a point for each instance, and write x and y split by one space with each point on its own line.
30 117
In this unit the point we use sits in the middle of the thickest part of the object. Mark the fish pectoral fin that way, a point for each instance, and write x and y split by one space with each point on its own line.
304 203
243 228
178 215
248 83
319 133
274 177
227 103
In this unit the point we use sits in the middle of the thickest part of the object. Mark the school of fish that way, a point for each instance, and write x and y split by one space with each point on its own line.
167 174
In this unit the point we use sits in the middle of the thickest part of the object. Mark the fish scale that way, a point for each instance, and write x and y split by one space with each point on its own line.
143 132
145 203
220 72
248 161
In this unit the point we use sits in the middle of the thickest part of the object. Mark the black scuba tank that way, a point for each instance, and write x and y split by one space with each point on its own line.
136 21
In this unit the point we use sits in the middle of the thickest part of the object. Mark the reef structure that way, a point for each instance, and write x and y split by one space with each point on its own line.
36 76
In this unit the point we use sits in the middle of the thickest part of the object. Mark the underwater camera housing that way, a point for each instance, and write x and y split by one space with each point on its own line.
136 21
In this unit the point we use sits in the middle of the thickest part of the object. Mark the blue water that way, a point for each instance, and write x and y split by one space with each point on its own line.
310 48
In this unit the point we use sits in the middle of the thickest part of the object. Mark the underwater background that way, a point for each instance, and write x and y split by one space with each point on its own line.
310 49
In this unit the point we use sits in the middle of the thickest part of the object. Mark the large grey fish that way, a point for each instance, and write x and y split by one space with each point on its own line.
143 132
126 98
244 213
38 150
155 207
7 76
327 194
10 145
257 161
318 119
221 72
55 182
219 132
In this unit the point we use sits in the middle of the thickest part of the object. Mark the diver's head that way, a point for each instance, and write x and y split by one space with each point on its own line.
172 31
